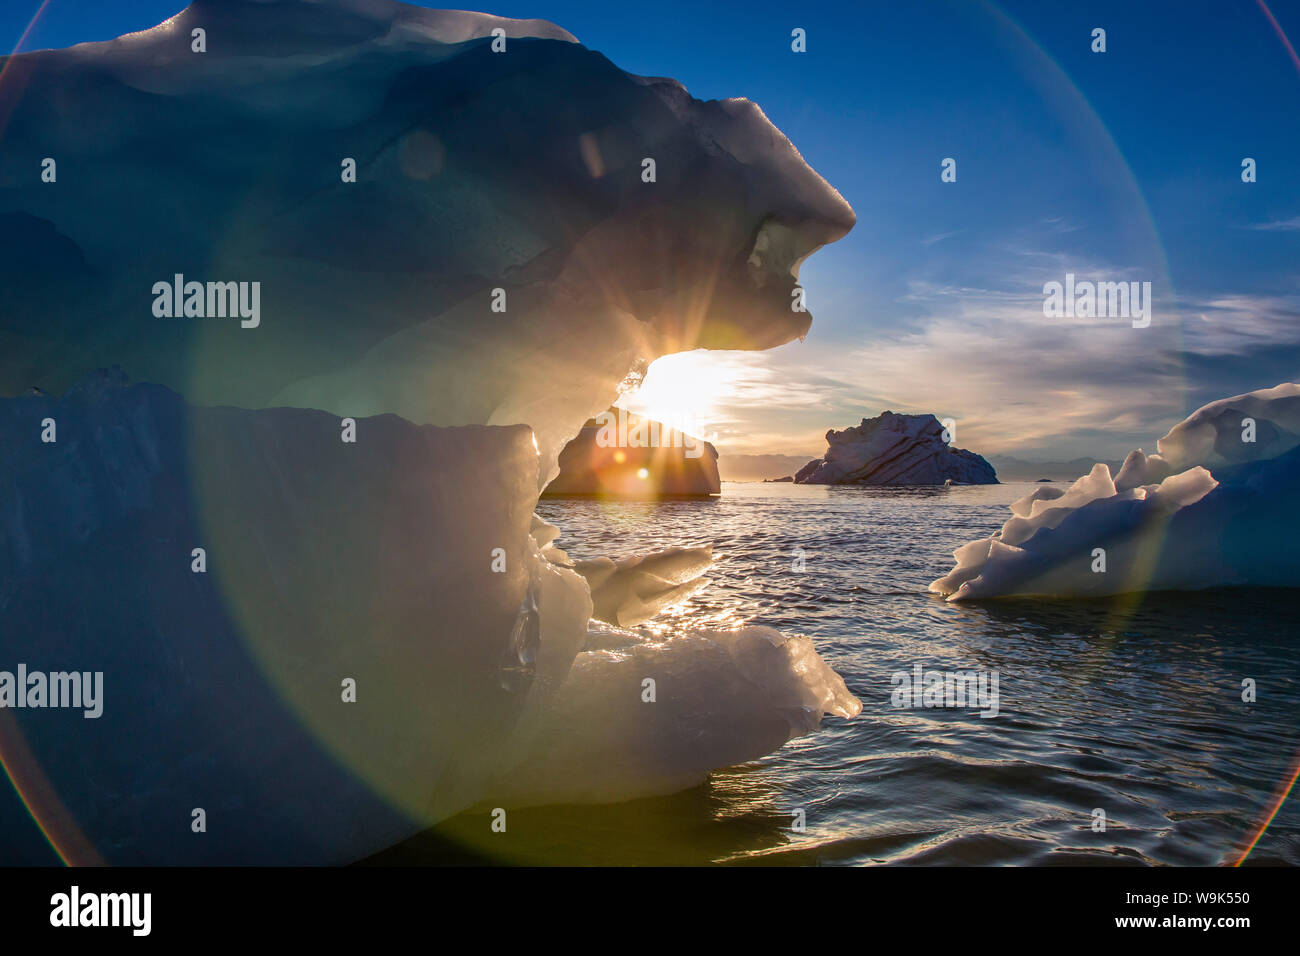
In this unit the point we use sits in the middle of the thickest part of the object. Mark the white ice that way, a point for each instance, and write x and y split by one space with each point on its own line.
476 171
1216 506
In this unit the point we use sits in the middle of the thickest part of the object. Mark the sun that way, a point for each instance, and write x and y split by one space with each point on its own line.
686 390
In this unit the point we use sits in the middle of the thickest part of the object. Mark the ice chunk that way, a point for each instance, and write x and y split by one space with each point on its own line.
321 562
1024 507
1217 434
1139 469
719 698
1048 510
632 590
1217 506
544 533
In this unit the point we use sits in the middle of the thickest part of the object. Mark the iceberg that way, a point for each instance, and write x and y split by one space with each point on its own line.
893 449
303 550
500 257
1218 505
633 590
645 459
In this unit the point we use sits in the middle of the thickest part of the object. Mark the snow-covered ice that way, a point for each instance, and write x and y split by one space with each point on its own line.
1218 505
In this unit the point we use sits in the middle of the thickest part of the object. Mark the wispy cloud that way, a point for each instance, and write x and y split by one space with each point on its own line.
1015 381
1277 225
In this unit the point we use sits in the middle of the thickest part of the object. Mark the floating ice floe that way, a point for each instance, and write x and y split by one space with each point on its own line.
1218 505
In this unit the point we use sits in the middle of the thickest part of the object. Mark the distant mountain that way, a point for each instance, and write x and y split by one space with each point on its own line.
759 467
1008 467
1019 469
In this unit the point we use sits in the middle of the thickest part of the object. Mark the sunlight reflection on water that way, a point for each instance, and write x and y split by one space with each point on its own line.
1132 707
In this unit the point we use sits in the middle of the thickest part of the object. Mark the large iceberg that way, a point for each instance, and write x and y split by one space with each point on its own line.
893 449
1218 505
622 455
522 171
303 550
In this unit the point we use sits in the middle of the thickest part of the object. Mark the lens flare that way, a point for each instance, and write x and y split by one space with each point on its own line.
1283 792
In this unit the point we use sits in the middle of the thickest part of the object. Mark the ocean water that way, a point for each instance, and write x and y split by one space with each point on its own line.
1128 706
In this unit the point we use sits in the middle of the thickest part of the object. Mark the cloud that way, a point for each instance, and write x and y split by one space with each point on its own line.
983 353
1239 325
781 401
1277 225
1015 381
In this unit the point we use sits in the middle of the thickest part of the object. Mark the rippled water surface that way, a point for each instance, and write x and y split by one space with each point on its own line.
1128 706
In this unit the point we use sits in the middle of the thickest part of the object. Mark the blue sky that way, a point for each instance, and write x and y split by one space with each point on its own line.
1117 165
